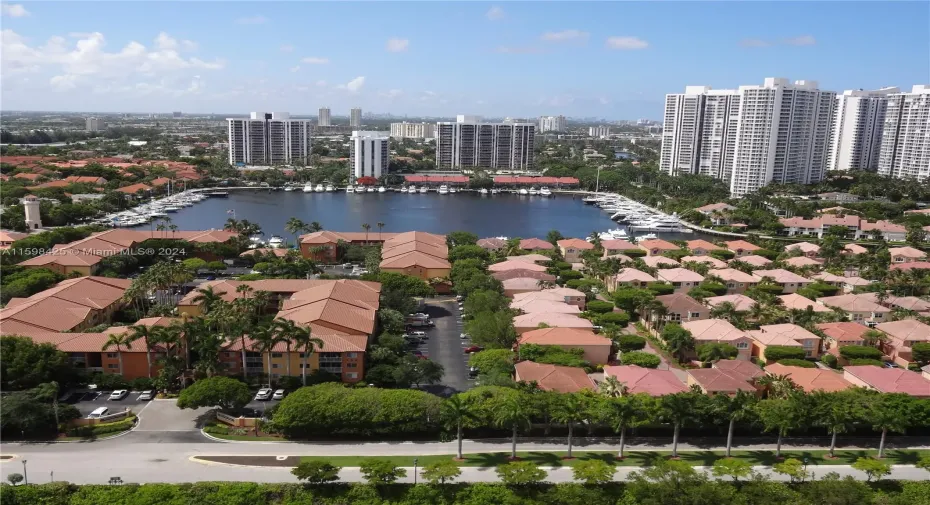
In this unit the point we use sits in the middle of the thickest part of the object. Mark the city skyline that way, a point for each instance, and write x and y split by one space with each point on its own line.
565 59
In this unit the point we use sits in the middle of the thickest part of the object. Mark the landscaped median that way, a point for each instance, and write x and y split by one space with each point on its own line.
94 431
223 431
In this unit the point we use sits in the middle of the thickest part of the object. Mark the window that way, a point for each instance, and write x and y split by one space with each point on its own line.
112 355
742 345
352 375
228 355
351 365
274 365
113 365
695 315
276 355
352 355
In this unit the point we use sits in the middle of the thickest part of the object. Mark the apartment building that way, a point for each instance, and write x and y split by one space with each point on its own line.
856 130
469 143
599 131
699 132
355 117
269 138
323 117
405 130
905 145
94 124
369 154
551 124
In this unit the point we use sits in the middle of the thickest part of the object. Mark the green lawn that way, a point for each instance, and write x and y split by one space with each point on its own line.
702 458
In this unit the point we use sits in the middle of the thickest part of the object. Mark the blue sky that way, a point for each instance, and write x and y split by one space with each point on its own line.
518 59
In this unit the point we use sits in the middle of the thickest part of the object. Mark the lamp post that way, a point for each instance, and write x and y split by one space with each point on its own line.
415 461
25 475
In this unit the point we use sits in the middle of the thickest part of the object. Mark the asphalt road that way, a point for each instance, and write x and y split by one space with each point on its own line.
445 347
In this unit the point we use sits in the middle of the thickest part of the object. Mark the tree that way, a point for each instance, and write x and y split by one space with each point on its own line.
733 409
460 238
920 351
677 409
627 343
27 364
873 468
316 472
678 340
218 391
779 352
640 358
923 463
836 412
208 298
14 478
294 226
792 468
625 412
462 252
147 335
366 227
521 473
379 471
890 412
553 237
599 307
594 472
611 387
714 352
118 340
513 414
631 299
427 371
734 468
441 472
572 408
492 329
380 226
781 416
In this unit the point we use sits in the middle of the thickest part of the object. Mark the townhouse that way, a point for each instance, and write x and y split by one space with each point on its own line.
535 244
718 213
859 308
735 280
888 380
571 249
629 277
720 331
71 305
529 322
597 348
707 260
656 247
682 279
857 228
786 335
901 337
810 379
562 379
726 377
906 254
563 295
789 281
417 254
650 381
701 247
679 308
741 248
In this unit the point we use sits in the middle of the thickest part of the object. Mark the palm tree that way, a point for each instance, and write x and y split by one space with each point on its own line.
173 228
380 225
456 411
611 387
725 310
515 415
624 412
304 339
572 408
733 408
366 227
314 226
265 340
161 227
208 299
118 340
295 226
142 332
676 409
777 386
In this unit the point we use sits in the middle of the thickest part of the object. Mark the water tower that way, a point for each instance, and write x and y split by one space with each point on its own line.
33 214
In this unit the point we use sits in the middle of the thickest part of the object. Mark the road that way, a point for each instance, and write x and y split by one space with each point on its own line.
445 347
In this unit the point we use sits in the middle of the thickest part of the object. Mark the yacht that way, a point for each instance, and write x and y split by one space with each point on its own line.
544 191
308 188
482 191
523 191
495 191
534 191
423 189
330 188
275 241
443 190
648 236
382 189
590 199
172 208
370 189
350 189
156 214
453 191
288 188
412 189
319 188
615 234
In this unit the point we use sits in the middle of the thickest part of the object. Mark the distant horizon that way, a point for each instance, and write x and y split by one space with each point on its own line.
297 115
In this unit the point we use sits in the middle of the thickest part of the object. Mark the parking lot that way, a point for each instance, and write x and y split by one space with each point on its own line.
87 402
445 346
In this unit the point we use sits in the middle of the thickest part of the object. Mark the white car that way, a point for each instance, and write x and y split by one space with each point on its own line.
464 336
119 394
146 396
263 394
278 395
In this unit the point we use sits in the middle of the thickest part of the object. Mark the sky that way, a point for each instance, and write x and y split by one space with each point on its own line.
612 60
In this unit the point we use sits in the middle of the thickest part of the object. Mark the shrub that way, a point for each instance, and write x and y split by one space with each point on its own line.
824 289
714 287
660 288
627 343
829 360
216 428
316 472
142 384
852 352
379 471
633 253
722 254
803 363
639 358
780 352
599 307
102 429
567 275
920 351
109 381
521 473
766 253
715 351
863 361
621 319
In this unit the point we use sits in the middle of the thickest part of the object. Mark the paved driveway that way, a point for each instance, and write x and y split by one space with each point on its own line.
445 347
164 415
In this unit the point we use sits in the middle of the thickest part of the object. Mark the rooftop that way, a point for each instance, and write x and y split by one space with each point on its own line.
646 380
844 331
741 245
798 302
741 303
890 380
713 330
563 379
555 320
576 243
662 245
679 275
514 265
782 276
535 243
852 303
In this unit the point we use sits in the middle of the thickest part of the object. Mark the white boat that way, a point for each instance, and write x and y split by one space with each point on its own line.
308 188
648 236
350 189
534 191
523 191
172 208
319 188
482 191
369 189
382 189
443 190
330 187
412 189
453 191
288 188
495 191
157 214
423 189
275 241
544 191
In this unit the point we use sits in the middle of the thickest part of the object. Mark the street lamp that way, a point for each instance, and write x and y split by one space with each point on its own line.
25 475
415 461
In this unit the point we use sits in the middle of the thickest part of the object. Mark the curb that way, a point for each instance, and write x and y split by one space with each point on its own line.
224 441
12 457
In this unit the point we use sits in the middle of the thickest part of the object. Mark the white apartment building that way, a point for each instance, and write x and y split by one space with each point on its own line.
905 147
323 117
407 130
355 117
599 131
856 131
94 124
470 143
369 154
699 132
269 138
551 124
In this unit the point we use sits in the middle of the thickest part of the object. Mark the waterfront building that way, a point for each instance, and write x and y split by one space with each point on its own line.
551 124
905 146
599 131
469 143
856 130
369 154
269 138
94 124
323 117
407 130
699 133
355 117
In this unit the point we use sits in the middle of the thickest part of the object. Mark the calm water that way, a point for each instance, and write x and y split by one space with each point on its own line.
486 216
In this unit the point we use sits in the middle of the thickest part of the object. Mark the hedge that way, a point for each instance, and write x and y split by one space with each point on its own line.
780 352
643 359
829 360
621 319
600 307
852 352
714 287
857 362
627 343
102 429
660 288
803 363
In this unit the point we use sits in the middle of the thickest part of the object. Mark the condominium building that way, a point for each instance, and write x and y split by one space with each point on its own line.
905 147
599 131
369 154
551 124
699 132
269 138
470 143
856 131
355 117
323 118
407 130
94 124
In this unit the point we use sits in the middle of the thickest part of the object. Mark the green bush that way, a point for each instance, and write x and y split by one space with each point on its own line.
716 351
640 358
102 429
829 360
780 352
621 319
599 307
567 275
722 254
627 343
852 352
862 361
217 428
142 384
824 289
633 253
803 363
920 351
109 381
714 287
660 288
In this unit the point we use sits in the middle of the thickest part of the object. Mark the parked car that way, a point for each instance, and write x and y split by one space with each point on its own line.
421 334
278 395
119 394
419 354
473 371
889 364
464 336
474 348
146 396
459 298
263 394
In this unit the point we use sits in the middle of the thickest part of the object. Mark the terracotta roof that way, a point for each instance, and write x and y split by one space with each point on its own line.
680 303
30 177
331 237
914 265
844 331
891 380
532 258
657 261
739 367
277 251
742 303
577 243
702 244
715 206
159 321
415 236
333 341
86 179
855 249
811 379
555 320
805 247
617 245
563 379
904 302
736 245
754 260
491 243
553 294
411 259
802 261
781 276
74 258
709 260
64 306
134 188
885 226
852 303
782 334
514 265
633 275
713 330
284 286
11 236
535 243
518 273
432 249
679 275
521 284
646 380
621 257
733 275
796 301
657 244
714 380
907 252
906 329
530 306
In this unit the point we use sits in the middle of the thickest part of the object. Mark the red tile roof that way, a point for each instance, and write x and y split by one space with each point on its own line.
890 380
563 337
811 379
577 243
535 243
563 379
646 380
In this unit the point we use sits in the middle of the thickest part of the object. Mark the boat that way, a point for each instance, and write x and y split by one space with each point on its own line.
369 189
534 191
615 234
172 208
443 190
648 236
350 189
288 188
382 189
544 191
483 191
590 199
453 191
217 194
523 191
319 188
275 241
330 188
412 189
423 189
308 188
495 191
157 214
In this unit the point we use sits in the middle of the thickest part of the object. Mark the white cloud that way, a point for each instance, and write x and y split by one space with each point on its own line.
312 60
495 13
626 43
252 20
356 84
394 93
801 40
565 36
321 83
287 48
295 68
395 45
163 42
63 82
14 10
518 50
754 43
